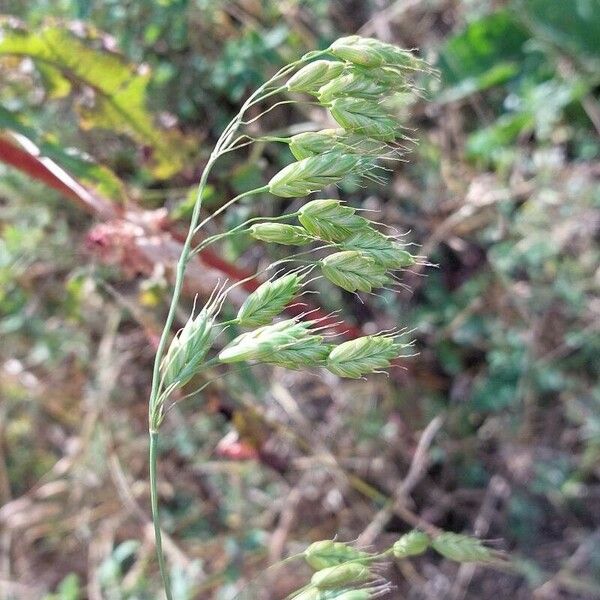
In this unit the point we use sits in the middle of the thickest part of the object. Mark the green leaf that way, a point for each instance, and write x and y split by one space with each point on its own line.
78 165
118 88
56 85
573 26
487 143
487 53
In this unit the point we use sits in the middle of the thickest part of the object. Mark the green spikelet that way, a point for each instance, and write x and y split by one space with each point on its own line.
363 593
330 220
347 574
188 348
369 52
314 75
311 143
381 248
365 117
355 84
411 544
353 271
363 355
268 300
462 548
313 174
289 344
280 233
327 553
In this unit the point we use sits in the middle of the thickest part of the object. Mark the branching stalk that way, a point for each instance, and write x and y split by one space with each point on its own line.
364 259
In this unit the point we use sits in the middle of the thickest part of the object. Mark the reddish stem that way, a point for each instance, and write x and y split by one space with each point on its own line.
27 158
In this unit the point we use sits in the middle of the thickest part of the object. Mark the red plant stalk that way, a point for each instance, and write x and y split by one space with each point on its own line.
22 154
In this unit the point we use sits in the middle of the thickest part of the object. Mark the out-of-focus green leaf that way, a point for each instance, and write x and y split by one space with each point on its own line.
118 89
539 109
485 54
487 142
572 25
76 164
56 85
495 76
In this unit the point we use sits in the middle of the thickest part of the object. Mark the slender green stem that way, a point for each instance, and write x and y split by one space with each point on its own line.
155 408
155 412
225 206
154 502
239 230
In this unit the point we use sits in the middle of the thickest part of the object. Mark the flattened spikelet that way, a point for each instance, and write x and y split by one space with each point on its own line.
268 300
289 344
363 355
280 233
413 543
356 84
313 174
330 220
462 548
370 52
314 75
328 553
311 143
353 271
188 348
381 248
365 117
347 574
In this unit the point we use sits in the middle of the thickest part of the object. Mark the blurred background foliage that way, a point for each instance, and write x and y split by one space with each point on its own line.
108 110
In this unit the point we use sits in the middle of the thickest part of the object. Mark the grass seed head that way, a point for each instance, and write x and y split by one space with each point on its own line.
313 174
347 574
190 346
330 220
355 84
328 553
268 300
370 52
357 50
291 344
280 233
353 271
381 248
366 117
462 548
411 544
312 143
314 75
363 355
